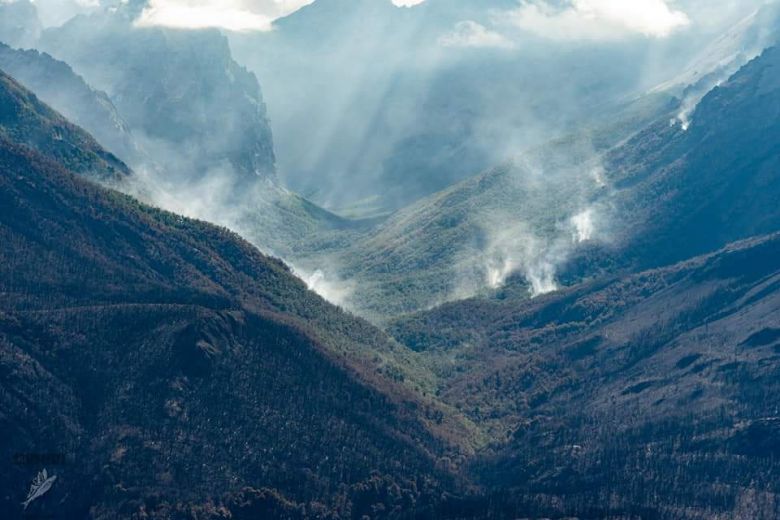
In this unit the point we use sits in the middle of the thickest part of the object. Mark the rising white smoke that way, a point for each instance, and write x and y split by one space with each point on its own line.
546 209
514 247
720 59
336 291
517 249
584 227
213 199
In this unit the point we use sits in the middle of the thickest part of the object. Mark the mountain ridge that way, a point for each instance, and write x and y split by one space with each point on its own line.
60 87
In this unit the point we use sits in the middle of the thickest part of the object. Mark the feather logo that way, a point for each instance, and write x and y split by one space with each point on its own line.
41 484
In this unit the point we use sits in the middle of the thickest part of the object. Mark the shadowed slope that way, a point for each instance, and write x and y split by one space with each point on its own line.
657 390
174 364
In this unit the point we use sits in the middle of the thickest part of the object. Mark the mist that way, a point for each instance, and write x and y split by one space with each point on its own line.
458 146
546 211
460 87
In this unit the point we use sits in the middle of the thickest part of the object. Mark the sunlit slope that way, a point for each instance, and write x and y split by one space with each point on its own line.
654 384
526 217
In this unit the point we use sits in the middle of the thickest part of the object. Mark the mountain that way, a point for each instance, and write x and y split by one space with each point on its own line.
717 61
181 372
652 395
173 370
677 198
55 83
192 108
25 119
588 330
199 121
646 391
276 220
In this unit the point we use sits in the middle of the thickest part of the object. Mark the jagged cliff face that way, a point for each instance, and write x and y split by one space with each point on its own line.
24 119
56 84
188 103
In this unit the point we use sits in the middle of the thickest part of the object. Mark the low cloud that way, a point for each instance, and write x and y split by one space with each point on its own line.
599 19
472 34
407 3
233 15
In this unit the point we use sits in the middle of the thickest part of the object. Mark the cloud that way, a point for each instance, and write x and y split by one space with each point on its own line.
234 15
472 34
599 19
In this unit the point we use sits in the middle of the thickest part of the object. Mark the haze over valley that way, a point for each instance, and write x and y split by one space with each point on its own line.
347 259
